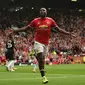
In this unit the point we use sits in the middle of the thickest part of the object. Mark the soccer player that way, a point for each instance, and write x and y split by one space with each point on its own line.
33 60
43 26
35 63
10 53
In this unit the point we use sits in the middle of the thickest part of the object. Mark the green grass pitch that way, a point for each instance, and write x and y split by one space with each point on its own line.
67 74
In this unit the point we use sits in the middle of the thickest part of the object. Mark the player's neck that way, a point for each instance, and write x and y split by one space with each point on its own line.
43 17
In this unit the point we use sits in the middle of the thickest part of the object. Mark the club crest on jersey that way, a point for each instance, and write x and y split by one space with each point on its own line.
48 22
39 23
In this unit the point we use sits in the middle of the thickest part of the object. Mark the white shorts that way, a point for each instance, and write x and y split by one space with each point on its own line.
39 47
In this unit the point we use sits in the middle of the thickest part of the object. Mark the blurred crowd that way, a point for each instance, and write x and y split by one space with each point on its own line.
62 48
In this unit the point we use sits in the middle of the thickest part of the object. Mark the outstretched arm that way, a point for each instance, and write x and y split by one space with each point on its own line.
58 29
62 31
22 29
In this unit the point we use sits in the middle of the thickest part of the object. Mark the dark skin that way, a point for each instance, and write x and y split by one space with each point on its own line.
40 57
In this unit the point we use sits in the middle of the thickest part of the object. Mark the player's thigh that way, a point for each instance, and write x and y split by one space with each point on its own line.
38 47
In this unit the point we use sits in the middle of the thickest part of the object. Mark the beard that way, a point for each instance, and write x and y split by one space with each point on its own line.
42 15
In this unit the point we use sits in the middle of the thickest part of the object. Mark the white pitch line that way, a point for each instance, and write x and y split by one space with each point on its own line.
28 78
17 79
72 75
53 76
39 74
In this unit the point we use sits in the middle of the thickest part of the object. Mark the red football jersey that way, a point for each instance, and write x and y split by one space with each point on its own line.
43 29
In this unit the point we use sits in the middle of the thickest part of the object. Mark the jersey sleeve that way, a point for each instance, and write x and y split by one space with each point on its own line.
32 23
53 23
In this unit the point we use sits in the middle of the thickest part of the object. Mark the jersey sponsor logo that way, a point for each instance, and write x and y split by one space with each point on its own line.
43 26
